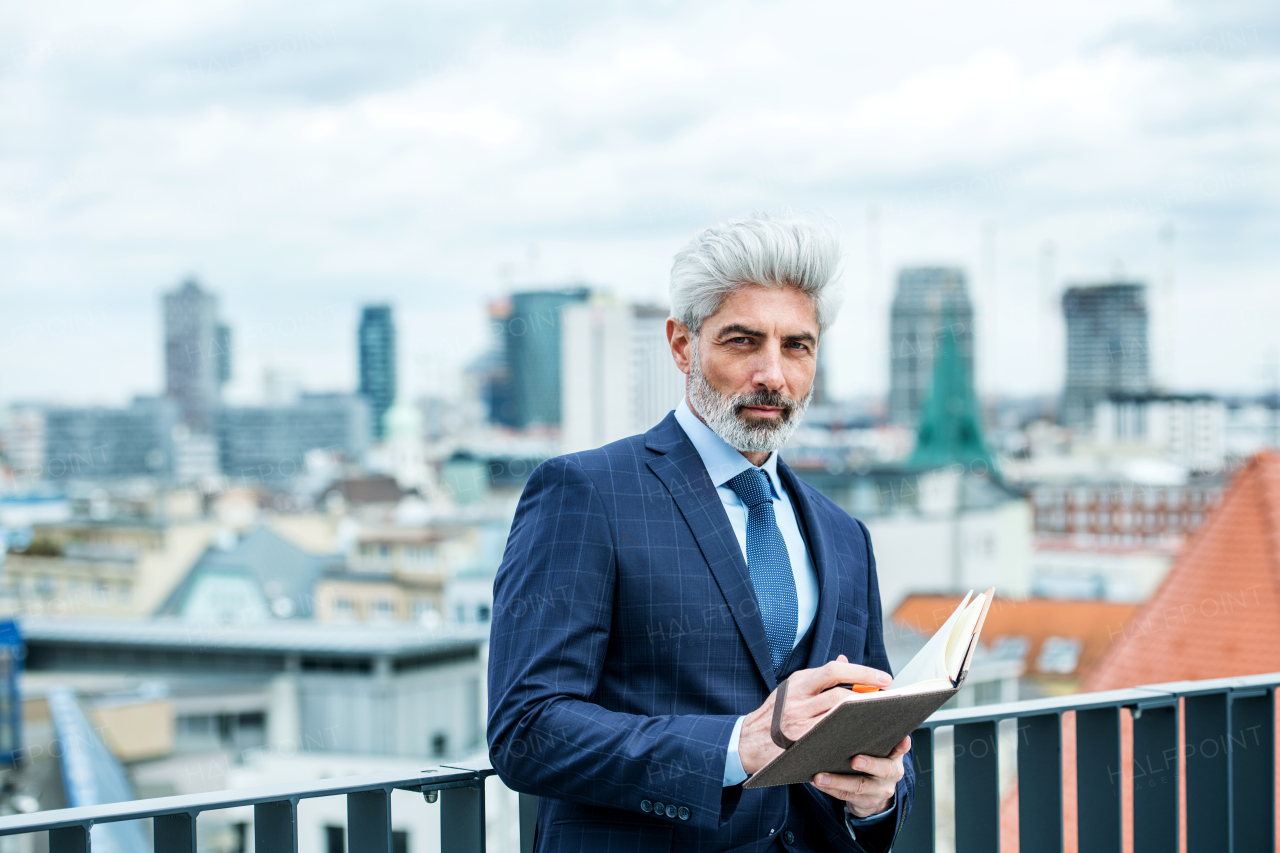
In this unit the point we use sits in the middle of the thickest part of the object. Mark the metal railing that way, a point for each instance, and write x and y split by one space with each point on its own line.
1226 746
1221 731
459 789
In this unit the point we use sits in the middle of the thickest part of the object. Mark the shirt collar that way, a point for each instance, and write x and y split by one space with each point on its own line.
723 462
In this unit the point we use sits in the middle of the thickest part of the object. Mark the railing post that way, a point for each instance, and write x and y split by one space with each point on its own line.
1098 769
1155 779
462 819
528 821
369 821
175 833
917 833
275 827
69 839
1252 745
977 788
1040 783
1208 773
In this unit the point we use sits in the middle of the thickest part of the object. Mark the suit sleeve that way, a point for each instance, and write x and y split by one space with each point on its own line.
552 615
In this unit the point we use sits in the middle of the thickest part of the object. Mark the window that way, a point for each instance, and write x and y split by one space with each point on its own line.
439 744
482 613
383 610
335 840
344 608
399 841
1059 655
1011 646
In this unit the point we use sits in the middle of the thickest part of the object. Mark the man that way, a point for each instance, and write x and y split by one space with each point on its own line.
655 591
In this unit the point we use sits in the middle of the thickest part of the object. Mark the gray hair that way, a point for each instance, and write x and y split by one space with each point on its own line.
774 251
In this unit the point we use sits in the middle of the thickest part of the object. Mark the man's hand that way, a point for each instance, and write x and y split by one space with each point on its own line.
809 698
870 794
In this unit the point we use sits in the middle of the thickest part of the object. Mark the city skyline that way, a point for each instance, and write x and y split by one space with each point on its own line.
976 149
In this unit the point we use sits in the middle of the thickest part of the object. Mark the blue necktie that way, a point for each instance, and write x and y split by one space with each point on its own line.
768 563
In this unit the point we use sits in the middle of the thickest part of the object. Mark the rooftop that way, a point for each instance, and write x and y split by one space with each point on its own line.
1044 627
1217 613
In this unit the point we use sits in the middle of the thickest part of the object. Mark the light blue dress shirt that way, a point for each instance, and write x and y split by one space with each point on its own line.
723 463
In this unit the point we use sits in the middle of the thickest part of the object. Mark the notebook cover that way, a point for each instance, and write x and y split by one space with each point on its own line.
870 727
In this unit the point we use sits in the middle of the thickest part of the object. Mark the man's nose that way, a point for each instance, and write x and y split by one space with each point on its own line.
768 369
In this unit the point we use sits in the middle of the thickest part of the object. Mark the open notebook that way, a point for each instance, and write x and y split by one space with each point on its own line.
874 723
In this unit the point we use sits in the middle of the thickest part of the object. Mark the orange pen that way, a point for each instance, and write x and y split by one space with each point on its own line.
861 688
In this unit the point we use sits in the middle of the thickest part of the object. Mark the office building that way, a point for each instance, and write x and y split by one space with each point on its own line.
283 683
618 375
489 376
197 354
930 303
377 364
531 341
110 443
1189 429
269 444
1107 351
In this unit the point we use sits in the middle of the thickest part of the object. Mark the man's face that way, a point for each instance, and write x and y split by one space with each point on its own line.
751 368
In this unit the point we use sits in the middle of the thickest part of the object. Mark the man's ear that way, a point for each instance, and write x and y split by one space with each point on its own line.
681 341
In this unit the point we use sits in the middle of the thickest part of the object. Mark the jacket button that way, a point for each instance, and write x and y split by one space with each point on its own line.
789 837
671 811
646 806
657 809
683 812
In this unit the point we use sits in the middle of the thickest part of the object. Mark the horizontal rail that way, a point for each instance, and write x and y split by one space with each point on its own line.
464 775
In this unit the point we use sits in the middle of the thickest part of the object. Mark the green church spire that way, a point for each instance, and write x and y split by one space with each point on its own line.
950 429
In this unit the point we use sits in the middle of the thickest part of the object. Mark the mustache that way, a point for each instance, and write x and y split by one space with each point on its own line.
771 399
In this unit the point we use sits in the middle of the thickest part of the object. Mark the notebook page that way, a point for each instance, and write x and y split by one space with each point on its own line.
930 663
959 641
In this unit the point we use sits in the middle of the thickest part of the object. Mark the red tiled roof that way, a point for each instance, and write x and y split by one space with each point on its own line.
1094 623
1217 613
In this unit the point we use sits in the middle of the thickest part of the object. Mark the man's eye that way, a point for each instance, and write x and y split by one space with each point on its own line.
739 340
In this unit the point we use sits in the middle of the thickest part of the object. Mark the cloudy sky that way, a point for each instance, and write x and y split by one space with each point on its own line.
302 158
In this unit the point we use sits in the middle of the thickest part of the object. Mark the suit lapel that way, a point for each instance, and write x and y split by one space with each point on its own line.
824 560
682 471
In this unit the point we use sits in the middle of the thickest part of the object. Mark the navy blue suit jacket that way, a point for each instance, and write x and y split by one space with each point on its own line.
626 641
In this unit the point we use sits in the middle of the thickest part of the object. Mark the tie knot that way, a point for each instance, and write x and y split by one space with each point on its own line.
752 487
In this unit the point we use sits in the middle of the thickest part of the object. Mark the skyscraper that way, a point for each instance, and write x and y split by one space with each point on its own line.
930 303
1107 349
377 364
489 376
532 336
197 356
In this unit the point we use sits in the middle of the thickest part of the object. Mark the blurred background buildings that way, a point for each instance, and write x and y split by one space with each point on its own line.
247 586
250 520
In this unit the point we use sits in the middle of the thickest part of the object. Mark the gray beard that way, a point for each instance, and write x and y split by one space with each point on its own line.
722 413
